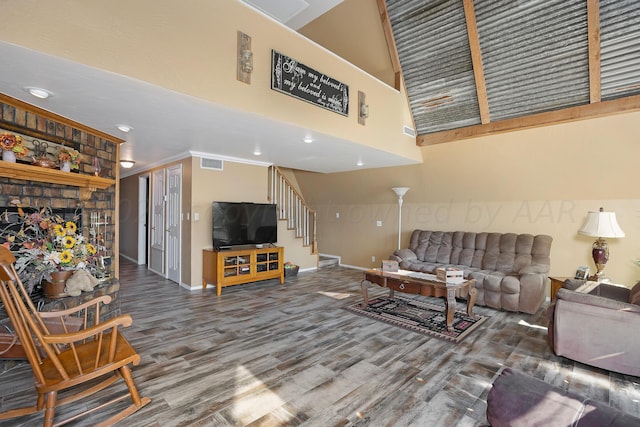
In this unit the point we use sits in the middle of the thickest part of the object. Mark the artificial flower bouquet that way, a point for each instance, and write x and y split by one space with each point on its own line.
43 242
66 154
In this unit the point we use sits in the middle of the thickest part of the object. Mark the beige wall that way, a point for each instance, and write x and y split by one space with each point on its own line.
192 50
539 181
238 182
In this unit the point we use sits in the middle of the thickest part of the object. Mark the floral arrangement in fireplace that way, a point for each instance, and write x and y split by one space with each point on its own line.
11 142
66 154
44 242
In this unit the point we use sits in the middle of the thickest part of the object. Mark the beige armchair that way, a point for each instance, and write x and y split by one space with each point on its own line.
595 324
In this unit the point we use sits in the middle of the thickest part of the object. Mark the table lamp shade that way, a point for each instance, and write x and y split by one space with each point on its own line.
601 224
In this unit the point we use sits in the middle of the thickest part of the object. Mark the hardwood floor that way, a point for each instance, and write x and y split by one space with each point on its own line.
266 354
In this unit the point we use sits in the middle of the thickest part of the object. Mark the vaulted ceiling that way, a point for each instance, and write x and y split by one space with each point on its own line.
477 67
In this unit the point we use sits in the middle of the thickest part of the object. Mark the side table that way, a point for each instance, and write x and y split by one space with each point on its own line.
556 283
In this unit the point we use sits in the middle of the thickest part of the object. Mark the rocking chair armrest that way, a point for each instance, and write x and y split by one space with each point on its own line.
106 299
124 320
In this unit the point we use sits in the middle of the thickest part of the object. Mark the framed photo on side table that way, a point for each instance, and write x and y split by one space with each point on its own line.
582 273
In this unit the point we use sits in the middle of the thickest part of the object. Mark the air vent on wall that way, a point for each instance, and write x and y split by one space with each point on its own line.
213 164
408 130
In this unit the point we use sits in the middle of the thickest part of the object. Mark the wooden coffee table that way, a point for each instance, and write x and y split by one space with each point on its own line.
422 284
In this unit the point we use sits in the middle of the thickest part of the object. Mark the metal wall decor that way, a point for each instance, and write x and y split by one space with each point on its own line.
290 77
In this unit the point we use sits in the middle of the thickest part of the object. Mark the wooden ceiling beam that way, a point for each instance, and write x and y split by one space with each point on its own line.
476 59
593 28
391 42
582 112
399 82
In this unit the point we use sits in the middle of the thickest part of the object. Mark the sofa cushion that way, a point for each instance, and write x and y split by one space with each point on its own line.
468 251
444 250
480 247
507 255
517 399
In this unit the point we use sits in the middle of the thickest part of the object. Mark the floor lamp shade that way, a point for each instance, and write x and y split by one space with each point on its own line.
400 191
601 224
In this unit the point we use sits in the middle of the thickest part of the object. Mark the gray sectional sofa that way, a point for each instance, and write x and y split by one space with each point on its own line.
511 270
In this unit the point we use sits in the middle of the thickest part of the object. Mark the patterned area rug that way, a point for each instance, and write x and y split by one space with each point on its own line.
420 316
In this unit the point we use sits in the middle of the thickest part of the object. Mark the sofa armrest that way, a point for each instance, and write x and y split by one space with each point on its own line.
405 255
595 300
517 399
573 284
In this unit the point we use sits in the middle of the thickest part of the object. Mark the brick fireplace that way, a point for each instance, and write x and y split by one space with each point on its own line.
93 195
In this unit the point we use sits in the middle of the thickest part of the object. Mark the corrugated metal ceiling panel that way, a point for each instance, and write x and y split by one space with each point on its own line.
535 55
433 47
619 48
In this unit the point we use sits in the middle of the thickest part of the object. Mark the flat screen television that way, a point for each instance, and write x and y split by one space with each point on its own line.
243 223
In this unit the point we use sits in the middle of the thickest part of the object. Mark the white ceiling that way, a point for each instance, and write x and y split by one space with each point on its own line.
295 14
101 100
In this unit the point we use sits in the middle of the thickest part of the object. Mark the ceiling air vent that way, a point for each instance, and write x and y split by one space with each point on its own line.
213 164
408 130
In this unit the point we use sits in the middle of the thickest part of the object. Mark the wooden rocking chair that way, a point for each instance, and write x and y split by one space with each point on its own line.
64 357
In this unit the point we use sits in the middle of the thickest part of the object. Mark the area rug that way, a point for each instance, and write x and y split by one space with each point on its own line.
419 316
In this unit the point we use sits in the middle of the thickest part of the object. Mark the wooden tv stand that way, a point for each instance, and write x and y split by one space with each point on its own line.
241 265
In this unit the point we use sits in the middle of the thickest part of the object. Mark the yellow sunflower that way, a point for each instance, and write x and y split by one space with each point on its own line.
59 230
91 249
66 257
68 242
71 227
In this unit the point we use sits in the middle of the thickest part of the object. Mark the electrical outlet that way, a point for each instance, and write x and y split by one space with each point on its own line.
378 223
337 215
373 258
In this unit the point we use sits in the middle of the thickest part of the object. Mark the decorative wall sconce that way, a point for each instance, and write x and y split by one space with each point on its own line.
364 111
246 61
363 108
245 58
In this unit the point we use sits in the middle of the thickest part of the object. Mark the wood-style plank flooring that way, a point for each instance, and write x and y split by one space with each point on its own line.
266 354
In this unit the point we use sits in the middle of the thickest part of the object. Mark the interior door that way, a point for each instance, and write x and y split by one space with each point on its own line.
174 203
143 219
156 260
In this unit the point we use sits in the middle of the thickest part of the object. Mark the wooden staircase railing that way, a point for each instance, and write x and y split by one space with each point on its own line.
292 208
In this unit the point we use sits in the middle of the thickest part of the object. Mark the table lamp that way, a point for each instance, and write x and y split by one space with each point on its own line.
600 224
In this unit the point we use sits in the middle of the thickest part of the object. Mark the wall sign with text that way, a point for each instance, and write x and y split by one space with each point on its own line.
295 79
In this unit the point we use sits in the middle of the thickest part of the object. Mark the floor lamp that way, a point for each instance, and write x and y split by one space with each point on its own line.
400 191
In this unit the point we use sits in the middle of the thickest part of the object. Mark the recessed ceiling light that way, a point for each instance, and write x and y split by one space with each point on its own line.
127 164
308 139
39 92
256 152
360 163
124 128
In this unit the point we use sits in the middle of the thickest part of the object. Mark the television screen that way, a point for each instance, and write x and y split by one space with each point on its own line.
242 223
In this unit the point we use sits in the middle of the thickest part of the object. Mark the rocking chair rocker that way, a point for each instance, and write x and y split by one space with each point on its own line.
64 358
